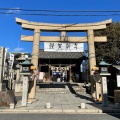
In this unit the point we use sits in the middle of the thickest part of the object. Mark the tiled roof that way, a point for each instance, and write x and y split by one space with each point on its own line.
60 55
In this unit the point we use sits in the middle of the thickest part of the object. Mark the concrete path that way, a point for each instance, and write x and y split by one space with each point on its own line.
67 102
62 103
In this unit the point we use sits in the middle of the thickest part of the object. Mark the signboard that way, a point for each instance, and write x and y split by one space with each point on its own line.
41 74
11 60
118 80
104 84
25 91
104 92
63 47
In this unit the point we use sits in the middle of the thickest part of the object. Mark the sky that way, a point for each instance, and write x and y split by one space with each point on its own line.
10 31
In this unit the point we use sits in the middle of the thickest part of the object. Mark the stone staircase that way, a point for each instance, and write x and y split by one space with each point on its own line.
60 88
52 88
79 89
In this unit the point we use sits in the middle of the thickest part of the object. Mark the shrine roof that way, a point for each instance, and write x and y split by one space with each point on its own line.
60 55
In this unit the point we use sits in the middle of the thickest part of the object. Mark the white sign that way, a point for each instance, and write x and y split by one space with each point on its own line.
118 80
11 60
63 47
104 92
25 91
104 84
41 74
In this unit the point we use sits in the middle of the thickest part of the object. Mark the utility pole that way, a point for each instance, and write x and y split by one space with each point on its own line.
2 53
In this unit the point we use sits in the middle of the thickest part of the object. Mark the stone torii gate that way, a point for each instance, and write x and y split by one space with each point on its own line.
37 27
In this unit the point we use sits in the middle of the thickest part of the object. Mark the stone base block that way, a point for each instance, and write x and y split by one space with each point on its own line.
6 98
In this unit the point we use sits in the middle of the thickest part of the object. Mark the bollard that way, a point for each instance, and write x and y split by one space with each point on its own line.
83 105
12 105
48 105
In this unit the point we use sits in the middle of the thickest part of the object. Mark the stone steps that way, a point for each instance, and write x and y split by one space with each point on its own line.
61 88
79 88
52 90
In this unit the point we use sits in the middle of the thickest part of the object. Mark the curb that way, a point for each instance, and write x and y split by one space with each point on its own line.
13 111
69 111
51 111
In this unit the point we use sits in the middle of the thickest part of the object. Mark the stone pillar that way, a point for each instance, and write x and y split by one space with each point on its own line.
104 92
11 79
25 91
97 90
35 56
92 60
18 74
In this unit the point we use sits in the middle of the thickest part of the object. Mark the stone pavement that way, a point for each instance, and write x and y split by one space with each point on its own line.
62 100
62 103
67 102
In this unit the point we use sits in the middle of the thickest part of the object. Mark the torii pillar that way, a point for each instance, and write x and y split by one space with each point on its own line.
35 56
92 60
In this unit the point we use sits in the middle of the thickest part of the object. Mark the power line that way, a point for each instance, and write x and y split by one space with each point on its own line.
19 11
49 10
42 14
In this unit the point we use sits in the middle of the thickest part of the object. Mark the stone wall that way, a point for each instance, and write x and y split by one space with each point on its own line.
117 96
7 97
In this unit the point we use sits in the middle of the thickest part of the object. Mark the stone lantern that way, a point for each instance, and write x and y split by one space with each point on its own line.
104 73
26 67
104 68
26 73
